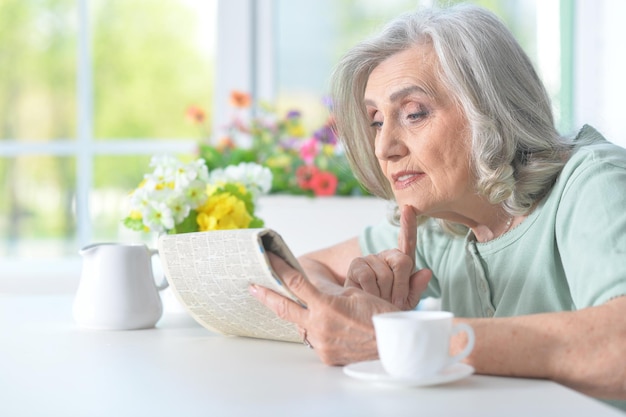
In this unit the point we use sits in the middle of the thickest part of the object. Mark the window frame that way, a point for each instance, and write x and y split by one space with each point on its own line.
245 60
84 148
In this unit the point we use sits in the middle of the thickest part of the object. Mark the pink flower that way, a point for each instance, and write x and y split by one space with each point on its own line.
309 150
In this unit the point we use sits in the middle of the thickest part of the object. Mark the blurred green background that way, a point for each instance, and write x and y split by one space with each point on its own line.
150 60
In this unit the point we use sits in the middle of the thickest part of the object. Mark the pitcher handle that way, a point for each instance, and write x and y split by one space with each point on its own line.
164 284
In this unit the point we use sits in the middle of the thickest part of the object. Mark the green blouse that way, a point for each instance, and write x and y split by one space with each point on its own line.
570 253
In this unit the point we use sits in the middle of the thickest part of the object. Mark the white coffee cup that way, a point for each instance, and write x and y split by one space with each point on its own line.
416 344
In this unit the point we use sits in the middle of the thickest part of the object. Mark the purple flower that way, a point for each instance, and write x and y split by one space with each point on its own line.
328 102
293 114
326 135
289 143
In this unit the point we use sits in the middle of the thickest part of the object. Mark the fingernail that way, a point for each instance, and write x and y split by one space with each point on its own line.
253 290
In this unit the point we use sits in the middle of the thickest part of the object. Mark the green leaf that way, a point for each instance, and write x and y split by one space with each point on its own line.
212 157
256 223
189 224
134 224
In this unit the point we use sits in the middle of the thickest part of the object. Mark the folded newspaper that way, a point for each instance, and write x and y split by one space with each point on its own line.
210 272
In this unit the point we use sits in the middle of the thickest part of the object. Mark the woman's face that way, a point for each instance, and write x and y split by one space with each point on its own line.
422 138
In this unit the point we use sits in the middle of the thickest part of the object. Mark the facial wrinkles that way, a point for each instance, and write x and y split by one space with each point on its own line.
394 110
394 92
434 143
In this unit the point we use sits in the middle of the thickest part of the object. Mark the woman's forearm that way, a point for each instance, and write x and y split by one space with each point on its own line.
328 267
584 349
321 275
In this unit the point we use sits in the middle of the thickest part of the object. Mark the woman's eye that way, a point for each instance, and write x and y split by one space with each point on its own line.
417 116
376 125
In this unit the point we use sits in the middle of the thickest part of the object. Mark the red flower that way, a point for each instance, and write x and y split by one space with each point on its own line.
305 175
323 183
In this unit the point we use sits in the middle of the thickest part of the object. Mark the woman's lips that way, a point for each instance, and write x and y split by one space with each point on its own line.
404 179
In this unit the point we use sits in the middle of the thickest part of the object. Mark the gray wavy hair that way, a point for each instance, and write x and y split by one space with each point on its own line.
517 152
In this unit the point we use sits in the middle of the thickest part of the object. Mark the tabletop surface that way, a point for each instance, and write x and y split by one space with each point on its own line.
51 367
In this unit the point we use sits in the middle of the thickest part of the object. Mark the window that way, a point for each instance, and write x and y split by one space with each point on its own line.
90 89
88 92
574 45
599 66
311 36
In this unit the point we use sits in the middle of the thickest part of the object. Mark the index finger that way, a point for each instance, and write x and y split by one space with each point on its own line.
282 306
296 281
407 239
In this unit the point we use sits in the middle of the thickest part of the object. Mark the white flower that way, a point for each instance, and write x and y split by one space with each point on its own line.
163 162
195 193
140 199
186 174
158 217
179 207
168 194
165 167
161 177
255 177
199 165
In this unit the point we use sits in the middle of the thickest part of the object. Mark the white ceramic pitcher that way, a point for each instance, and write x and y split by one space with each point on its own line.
117 289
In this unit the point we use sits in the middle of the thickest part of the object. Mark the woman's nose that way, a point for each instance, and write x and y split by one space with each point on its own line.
389 143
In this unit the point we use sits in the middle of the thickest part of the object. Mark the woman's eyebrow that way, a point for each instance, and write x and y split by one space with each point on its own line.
400 94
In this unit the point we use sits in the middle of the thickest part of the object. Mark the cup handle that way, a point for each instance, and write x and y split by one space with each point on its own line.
458 328
164 284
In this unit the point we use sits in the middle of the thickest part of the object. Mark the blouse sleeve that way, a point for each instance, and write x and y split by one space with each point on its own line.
591 227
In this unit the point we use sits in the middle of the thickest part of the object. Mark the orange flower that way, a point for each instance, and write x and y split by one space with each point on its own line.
240 99
196 114
225 143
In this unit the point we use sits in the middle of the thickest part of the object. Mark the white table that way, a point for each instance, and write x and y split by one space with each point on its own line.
50 367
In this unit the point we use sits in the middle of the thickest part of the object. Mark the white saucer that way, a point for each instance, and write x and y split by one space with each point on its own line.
373 371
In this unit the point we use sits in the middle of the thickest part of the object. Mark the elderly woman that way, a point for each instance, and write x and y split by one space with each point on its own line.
519 231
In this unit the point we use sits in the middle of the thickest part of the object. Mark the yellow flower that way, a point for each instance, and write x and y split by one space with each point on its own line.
328 150
295 129
278 161
223 211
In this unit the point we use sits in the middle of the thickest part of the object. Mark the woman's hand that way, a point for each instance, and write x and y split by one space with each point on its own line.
338 326
338 323
389 274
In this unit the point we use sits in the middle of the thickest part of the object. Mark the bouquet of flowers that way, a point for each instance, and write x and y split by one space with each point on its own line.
179 198
302 164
